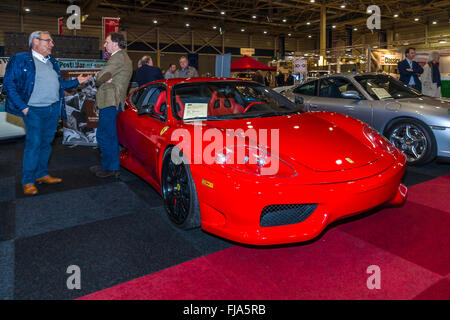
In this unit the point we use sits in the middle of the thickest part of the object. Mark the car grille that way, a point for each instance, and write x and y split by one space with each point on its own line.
285 214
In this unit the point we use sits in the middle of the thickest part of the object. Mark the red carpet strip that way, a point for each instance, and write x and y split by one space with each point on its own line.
410 245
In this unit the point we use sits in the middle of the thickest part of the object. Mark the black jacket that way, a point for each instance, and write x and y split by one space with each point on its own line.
146 74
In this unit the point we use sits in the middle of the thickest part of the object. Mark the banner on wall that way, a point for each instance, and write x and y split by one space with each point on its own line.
60 25
109 25
300 66
82 116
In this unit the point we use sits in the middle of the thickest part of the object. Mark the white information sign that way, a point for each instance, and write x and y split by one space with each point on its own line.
381 93
195 110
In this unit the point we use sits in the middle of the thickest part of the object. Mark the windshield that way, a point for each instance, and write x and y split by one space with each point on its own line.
384 87
227 100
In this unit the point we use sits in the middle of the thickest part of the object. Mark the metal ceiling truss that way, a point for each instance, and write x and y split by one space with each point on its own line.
273 16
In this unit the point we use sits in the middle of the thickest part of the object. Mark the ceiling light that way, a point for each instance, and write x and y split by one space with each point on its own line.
342 6
265 32
442 41
310 36
355 29
284 20
289 34
214 27
333 26
187 25
434 22
222 12
395 15
242 30
416 19
308 23
27 9
155 21
186 8
312 1
253 17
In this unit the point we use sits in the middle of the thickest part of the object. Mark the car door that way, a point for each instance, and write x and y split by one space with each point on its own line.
145 140
330 98
307 92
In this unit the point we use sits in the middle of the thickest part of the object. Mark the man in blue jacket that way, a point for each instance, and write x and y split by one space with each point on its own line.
147 72
410 70
35 91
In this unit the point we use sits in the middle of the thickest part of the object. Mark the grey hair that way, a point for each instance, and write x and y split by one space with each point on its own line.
146 60
433 56
36 35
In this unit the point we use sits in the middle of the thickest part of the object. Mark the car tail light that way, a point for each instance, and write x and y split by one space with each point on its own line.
253 160
378 140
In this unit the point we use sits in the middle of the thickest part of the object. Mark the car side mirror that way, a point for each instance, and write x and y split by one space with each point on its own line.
351 95
147 109
299 100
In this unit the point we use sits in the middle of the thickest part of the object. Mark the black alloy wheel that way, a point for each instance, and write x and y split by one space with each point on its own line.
179 193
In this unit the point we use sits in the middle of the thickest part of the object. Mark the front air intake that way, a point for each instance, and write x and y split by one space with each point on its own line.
286 214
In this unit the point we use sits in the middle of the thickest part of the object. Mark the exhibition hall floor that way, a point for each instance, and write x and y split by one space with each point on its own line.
117 233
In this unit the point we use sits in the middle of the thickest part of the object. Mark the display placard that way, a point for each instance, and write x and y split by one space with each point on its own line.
195 110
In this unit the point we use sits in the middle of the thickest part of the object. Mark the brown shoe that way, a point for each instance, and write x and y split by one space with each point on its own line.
48 179
30 189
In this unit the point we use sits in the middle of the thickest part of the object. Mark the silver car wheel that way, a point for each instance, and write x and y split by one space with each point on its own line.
411 140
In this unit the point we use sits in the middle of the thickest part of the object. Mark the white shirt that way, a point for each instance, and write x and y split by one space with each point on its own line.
115 52
411 80
40 57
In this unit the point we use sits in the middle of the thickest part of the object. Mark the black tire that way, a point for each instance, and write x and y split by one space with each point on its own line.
179 192
421 139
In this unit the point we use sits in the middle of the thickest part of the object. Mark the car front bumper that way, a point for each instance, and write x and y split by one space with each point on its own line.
232 208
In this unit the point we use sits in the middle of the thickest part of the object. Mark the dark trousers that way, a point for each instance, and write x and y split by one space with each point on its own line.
107 138
40 124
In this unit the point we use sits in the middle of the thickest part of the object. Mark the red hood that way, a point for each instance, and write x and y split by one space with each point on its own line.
309 140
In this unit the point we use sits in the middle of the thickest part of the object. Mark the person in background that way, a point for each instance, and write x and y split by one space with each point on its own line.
410 70
290 80
35 91
147 72
258 77
431 77
186 71
268 79
113 82
170 73
280 79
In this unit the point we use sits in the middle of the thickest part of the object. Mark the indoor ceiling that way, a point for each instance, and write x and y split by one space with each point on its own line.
289 17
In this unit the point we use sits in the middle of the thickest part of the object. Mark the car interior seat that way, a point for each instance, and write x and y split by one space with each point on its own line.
161 105
179 106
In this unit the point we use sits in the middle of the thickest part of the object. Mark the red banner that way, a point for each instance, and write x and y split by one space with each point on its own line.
109 25
60 25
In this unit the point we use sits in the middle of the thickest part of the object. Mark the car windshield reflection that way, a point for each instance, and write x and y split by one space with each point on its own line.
228 100
383 87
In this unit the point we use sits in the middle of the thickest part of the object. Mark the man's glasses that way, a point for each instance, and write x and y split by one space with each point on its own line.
47 40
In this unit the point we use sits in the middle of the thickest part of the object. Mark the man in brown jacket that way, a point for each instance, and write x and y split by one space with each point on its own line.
113 79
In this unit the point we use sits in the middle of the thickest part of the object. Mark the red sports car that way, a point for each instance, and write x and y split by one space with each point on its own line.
245 163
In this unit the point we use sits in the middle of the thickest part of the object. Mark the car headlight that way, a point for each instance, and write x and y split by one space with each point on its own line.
253 160
377 140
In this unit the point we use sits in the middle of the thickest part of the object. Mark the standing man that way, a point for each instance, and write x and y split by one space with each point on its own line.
35 92
186 71
410 70
113 80
147 72
171 72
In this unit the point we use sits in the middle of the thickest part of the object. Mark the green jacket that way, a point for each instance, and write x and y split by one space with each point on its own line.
118 68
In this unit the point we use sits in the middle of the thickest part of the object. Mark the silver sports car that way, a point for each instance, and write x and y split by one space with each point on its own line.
417 125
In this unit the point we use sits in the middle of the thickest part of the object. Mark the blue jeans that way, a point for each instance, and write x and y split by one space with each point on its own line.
40 124
107 138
